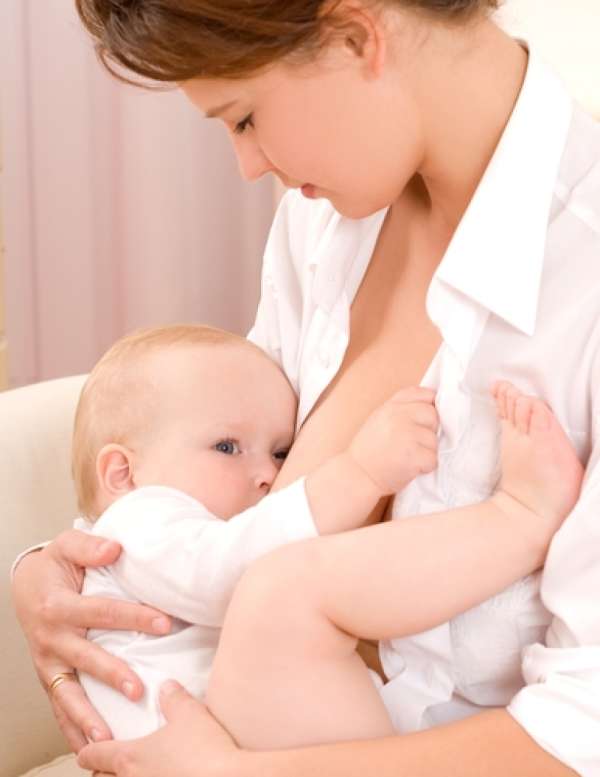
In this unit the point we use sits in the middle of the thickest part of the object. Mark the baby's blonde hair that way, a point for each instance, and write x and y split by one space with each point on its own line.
109 408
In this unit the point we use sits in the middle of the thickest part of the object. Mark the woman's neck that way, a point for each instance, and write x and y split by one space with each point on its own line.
467 88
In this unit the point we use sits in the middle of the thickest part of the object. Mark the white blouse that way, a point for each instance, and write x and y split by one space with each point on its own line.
516 296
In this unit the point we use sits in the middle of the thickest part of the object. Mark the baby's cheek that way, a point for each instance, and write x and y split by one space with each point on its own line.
226 490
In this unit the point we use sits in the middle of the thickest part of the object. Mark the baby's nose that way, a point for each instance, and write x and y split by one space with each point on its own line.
266 474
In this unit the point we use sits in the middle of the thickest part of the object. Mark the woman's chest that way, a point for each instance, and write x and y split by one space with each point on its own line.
390 344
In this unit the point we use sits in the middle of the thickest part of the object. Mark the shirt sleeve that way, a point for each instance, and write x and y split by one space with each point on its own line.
560 705
282 306
179 558
266 330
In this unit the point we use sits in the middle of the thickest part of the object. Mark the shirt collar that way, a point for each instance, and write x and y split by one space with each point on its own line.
496 254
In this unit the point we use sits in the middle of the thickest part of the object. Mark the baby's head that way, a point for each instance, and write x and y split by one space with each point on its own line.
190 407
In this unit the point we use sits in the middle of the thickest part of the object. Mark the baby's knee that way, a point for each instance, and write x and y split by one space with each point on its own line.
277 598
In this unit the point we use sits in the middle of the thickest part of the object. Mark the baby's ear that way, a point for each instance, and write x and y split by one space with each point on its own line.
114 470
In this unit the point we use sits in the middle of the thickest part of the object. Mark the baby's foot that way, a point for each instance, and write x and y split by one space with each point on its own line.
540 468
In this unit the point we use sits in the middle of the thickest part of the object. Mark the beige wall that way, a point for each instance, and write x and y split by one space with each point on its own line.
565 33
3 366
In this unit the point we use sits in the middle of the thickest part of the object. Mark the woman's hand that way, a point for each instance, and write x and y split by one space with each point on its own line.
54 617
191 744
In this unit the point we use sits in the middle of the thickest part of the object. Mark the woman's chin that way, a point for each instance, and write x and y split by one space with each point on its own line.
354 210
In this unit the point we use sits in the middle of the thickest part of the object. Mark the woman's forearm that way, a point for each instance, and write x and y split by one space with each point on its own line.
490 744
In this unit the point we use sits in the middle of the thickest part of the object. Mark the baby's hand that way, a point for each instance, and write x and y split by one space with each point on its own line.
398 441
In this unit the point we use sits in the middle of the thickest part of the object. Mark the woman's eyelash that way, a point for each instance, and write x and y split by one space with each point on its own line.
240 127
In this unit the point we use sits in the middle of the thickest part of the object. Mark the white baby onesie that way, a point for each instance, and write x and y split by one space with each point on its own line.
181 559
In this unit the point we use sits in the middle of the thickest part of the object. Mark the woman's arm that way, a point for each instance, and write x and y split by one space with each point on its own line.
54 619
490 744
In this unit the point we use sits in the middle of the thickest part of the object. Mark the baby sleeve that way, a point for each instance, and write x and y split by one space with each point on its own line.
179 558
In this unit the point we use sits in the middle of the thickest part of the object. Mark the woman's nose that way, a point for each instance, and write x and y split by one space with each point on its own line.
252 162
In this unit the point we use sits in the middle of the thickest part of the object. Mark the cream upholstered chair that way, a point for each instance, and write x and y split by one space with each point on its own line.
37 502
36 495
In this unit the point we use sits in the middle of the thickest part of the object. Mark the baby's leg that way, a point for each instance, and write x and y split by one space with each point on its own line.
286 672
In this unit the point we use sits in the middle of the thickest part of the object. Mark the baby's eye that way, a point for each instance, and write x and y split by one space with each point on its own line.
281 455
229 447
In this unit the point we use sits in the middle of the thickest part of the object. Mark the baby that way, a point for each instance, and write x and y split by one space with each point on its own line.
179 435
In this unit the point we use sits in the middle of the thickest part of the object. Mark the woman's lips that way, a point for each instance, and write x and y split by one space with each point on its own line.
308 190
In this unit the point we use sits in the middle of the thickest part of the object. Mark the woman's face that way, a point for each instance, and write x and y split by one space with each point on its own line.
344 126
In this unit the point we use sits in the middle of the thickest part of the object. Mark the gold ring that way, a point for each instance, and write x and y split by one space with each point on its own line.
59 679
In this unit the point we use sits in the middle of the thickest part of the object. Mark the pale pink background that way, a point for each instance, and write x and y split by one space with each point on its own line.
121 208
124 209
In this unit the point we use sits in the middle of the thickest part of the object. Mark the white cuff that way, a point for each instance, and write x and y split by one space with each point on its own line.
298 522
560 709
22 555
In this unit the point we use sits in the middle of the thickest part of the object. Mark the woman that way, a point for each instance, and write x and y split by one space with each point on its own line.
447 233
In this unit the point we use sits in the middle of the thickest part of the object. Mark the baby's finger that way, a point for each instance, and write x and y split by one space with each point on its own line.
414 394
427 438
426 460
78 720
90 612
90 658
425 415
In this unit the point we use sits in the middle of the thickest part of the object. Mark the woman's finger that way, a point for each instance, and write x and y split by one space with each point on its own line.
101 757
89 612
70 731
183 711
88 657
176 702
84 550
78 720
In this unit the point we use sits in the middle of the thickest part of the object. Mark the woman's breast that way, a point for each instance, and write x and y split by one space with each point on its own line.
369 373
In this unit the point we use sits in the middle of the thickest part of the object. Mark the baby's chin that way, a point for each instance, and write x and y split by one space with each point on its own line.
230 510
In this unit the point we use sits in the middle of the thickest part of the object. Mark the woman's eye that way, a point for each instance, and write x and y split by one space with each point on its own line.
281 455
229 447
240 127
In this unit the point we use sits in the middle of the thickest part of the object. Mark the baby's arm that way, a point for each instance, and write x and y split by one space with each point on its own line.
179 558
397 443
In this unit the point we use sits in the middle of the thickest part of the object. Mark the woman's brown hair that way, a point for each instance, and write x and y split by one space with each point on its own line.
176 40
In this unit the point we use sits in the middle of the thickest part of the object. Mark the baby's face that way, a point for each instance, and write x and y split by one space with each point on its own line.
225 422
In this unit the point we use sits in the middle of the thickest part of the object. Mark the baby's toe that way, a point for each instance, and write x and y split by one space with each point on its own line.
499 393
523 411
542 418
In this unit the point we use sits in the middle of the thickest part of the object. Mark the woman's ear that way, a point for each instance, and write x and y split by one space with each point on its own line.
364 31
114 470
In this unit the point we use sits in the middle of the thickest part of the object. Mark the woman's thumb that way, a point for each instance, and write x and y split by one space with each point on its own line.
174 697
